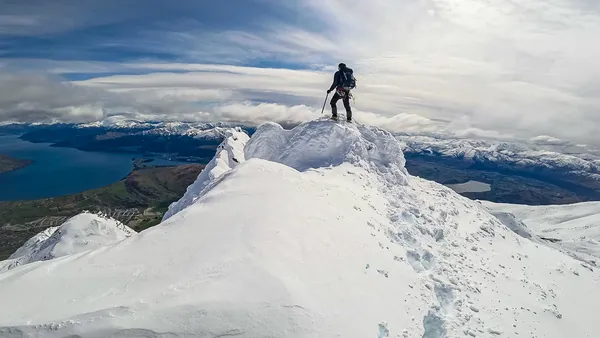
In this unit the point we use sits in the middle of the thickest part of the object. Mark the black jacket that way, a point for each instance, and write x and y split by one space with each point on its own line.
337 79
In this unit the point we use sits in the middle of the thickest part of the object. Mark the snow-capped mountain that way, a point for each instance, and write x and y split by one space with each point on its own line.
117 122
163 128
318 231
184 129
8 123
83 232
210 131
518 154
574 228
514 155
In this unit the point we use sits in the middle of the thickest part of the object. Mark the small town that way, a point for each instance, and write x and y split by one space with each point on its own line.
122 215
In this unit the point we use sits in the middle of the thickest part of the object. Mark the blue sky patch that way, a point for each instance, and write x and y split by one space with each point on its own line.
158 31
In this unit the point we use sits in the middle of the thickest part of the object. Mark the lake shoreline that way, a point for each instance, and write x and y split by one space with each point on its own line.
58 171
8 163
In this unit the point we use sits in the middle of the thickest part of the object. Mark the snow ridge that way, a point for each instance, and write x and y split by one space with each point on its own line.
324 143
33 244
83 232
450 242
229 154
447 238
316 231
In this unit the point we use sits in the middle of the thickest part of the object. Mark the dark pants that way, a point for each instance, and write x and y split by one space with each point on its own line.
346 99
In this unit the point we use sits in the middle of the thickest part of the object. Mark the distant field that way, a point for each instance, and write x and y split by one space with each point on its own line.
139 200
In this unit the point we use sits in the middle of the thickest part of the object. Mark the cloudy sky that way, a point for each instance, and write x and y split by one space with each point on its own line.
493 68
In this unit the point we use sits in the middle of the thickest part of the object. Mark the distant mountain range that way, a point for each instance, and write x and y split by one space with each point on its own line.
191 142
509 155
542 176
525 173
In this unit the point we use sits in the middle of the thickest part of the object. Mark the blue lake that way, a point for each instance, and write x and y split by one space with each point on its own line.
60 171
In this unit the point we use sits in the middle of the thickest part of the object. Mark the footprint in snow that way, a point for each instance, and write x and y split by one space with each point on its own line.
383 273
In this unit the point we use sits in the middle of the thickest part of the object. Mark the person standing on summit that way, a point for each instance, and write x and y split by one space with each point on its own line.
343 82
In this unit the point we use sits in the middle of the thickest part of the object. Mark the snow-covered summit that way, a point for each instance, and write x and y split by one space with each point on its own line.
83 232
311 145
316 231
319 144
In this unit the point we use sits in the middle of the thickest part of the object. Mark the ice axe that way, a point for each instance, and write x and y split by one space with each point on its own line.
324 103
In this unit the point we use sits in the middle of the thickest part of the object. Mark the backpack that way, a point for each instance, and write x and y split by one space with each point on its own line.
347 79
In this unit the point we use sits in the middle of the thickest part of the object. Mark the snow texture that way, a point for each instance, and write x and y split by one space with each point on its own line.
315 232
229 154
574 228
81 233
320 143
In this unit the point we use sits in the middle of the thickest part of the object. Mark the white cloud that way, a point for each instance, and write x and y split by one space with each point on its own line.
17 20
476 133
259 113
27 97
547 140
176 94
491 69
35 17
517 67
399 123
32 97
219 83
277 42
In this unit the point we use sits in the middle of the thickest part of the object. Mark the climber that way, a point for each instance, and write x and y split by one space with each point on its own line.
343 82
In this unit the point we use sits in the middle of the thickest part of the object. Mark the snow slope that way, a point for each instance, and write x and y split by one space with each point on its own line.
229 154
576 227
314 232
83 232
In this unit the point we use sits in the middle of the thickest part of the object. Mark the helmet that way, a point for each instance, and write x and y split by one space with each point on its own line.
342 66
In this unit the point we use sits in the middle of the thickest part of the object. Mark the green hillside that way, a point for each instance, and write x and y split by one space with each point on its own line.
139 200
